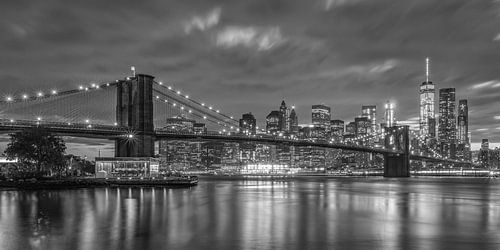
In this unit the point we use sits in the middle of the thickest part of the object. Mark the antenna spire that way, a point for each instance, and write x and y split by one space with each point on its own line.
427 69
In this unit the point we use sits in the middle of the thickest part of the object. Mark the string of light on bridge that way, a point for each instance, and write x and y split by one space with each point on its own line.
201 116
208 107
38 95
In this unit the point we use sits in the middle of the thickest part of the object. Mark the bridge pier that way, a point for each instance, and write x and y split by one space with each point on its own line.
135 110
397 164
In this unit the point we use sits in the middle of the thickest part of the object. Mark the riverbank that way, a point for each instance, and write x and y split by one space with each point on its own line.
183 181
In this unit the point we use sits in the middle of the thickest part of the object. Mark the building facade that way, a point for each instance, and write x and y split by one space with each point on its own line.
427 114
321 115
273 122
447 122
389 115
370 112
248 124
294 121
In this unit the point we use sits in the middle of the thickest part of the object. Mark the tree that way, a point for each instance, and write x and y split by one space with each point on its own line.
37 149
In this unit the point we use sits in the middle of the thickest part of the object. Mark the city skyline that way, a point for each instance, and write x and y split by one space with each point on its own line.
305 53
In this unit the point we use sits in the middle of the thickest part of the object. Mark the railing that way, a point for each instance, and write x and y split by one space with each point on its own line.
272 138
19 124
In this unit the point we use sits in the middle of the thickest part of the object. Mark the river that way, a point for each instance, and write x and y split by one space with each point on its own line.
301 213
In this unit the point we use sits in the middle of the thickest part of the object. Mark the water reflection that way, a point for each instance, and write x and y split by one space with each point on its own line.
296 214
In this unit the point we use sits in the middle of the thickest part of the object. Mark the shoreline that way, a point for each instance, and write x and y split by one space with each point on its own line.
171 182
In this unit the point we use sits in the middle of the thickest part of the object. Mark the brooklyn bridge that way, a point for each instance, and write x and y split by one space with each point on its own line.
140 106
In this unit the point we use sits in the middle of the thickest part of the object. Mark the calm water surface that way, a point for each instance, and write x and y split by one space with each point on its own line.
306 213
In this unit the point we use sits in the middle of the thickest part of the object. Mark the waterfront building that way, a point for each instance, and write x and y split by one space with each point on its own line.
230 154
319 133
199 128
179 124
284 121
427 114
178 154
336 130
321 115
447 122
363 125
463 148
485 144
126 167
294 121
389 115
463 122
484 153
350 130
273 122
248 124
370 112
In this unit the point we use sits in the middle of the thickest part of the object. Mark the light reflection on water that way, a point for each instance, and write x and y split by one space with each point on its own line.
417 213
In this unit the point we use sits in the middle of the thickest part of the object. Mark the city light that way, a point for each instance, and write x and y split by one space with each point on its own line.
40 94
25 96
54 92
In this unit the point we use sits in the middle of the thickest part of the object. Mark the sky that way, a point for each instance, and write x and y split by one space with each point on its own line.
246 56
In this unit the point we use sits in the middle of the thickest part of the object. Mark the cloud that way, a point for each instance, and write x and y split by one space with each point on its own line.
205 22
250 37
497 37
493 84
496 117
329 4
385 66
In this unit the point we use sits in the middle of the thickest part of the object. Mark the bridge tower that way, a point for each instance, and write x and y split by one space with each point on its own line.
134 109
397 164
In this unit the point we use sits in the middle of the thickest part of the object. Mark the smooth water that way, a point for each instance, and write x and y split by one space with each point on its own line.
303 213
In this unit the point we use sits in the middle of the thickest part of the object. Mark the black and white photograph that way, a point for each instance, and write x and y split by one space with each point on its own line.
249 124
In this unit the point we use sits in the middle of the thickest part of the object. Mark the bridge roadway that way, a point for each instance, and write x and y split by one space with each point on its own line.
116 132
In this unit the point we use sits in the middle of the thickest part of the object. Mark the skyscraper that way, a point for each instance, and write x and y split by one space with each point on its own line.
447 123
337 129
463 122
370 112
363 125
248 124
350 130
321 116
389 115
427 115
285 117
294 121
273 121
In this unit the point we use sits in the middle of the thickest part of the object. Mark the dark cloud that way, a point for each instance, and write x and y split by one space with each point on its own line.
247 55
